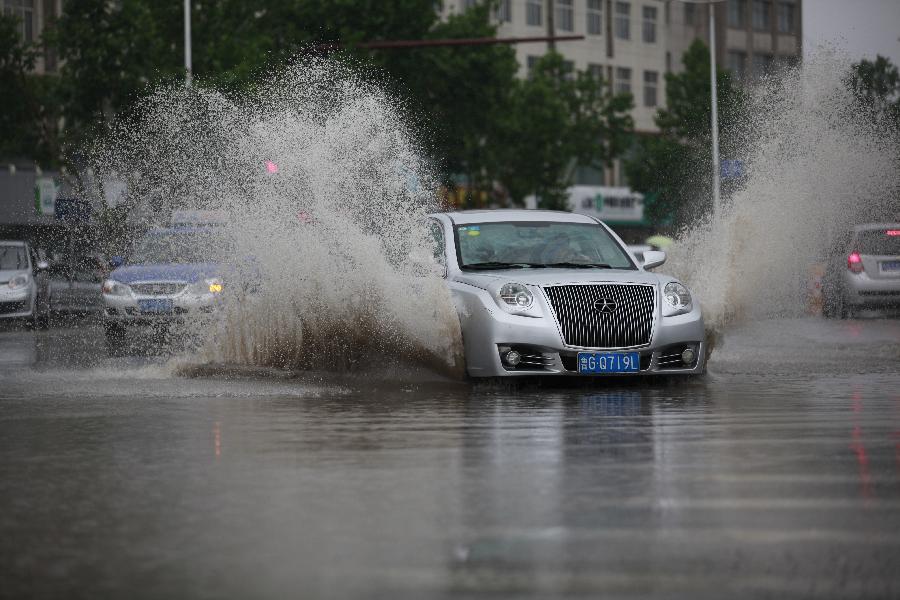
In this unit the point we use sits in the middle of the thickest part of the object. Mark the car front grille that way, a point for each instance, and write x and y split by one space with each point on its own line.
9 308
157 289
587 319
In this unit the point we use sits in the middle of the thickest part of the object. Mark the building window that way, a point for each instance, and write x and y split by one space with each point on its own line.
762 14
623 20
737 13
503 11
690 14
623 80
651 83
594 17
565 15
23 11
532 62
762 64
649 30
785 17
467 4
596 72
568 70
533 11
737 63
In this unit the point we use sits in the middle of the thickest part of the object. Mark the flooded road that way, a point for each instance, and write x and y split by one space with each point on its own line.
777 474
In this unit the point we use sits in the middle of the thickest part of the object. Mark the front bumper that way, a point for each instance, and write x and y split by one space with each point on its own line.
488 331
127 310
16 303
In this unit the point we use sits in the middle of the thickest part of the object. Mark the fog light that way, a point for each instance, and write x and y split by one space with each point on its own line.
512 358
688 356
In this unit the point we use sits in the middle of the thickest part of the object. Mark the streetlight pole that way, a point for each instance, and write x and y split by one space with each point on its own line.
187 42
715 108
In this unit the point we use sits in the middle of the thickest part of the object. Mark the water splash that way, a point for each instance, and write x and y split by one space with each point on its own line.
326 194
817 164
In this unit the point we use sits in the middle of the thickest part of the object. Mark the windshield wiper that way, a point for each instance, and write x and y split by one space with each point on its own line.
497 265
573 265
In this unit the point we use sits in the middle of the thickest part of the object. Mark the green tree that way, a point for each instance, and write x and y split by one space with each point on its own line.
672 168
559 120
877 86
27 120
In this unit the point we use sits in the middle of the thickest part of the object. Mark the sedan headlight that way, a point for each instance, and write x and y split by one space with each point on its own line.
18 282
677 299
516 295
517 299
111 287
213 285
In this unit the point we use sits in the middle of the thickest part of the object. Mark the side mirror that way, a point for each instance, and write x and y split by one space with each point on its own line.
116 261
424 265
43 265
654 258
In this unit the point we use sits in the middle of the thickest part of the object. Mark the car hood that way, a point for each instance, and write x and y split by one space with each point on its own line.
188 273
542 277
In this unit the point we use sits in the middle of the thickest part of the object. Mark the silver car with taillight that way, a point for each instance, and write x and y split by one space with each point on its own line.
863 271
555 293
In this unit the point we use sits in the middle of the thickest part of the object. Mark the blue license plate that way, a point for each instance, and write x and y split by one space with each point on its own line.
892 265
609 362
156 306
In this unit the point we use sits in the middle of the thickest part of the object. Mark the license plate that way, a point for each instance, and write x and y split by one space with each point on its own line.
893 265
156 306
609 362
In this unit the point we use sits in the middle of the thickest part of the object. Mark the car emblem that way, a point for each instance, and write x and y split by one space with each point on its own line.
605 305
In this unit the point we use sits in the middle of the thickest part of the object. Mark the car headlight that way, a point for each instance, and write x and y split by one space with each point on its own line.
516 295
517 299
213 285
18 282
111 287
677 299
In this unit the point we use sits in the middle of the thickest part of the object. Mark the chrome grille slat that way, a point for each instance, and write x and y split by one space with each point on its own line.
581 325
158 288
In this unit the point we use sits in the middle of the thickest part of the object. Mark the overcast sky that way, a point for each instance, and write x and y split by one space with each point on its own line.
864 28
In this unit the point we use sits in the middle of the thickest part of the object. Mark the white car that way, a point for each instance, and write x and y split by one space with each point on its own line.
22 296
556 293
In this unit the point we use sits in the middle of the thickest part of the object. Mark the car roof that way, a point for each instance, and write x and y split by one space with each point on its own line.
465 217
871 226
12 243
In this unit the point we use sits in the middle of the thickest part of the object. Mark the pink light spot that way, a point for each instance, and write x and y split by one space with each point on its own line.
271 167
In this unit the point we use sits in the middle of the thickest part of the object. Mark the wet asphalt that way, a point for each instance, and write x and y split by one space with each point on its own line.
776 475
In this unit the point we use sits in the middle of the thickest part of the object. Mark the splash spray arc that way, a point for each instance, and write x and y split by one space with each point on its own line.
319 217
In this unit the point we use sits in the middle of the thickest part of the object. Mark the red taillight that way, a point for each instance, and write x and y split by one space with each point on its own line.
893 232
854 263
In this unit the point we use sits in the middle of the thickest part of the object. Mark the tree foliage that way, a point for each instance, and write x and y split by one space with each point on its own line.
471 110
559 120
673 168
877 86
27 121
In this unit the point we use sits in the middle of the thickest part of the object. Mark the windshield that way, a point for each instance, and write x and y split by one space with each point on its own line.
183 248
526 244
13 258
878 242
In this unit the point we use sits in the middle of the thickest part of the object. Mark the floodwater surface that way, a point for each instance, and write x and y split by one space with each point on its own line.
777 474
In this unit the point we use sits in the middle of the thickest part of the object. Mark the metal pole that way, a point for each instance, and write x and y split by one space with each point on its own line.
187 42
715 109
551 26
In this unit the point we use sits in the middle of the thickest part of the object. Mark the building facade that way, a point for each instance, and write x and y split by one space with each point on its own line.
753 37
33 18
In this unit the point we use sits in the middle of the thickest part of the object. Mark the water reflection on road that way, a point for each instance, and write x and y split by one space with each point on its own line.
778 474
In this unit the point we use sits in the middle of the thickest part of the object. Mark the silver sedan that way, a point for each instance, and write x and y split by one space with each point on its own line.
554 293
